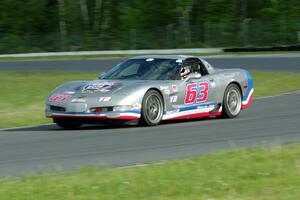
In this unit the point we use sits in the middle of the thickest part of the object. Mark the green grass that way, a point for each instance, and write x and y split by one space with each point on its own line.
271 83
23 93
256 174
88 57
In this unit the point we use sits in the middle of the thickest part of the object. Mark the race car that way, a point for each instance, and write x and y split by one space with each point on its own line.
145 90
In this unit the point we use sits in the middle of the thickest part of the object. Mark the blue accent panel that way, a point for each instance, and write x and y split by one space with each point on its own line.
195 106
250 85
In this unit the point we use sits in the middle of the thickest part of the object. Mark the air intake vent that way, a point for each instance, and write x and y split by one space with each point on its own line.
57 108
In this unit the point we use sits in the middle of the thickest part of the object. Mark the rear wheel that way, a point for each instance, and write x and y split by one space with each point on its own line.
232 101
67 124
152 108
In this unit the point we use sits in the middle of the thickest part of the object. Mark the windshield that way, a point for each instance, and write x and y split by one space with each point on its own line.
146 69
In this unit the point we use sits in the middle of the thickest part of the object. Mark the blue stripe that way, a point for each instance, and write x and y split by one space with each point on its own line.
196 106
193 107
250 85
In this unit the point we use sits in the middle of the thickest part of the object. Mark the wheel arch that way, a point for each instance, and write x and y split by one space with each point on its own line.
225 111
144 120
237 84
161 94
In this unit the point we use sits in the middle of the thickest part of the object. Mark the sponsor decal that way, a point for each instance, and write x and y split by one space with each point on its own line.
174 88
167 91
100 87
173 99
172 111
164 87
79 100
60 98
205 106
104 99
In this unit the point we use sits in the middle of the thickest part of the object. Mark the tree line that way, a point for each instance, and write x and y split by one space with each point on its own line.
63 25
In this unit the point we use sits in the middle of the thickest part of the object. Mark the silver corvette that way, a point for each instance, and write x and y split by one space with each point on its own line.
149 89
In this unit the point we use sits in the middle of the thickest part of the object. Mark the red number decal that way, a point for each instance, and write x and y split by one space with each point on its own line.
196 93
203 92
191 93
59 98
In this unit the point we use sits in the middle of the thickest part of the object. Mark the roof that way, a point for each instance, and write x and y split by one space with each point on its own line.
175 57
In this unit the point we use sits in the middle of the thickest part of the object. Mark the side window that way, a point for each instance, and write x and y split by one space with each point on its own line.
194 64
203 69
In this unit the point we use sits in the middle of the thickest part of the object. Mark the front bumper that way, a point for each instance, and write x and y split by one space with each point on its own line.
114 115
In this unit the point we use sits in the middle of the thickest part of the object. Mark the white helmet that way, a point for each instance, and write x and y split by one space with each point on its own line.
184 72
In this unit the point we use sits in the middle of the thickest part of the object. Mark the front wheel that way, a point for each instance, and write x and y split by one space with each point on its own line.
67 124
152 108
232 101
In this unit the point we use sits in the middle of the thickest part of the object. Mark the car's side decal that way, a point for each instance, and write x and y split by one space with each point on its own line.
196 92
60 98
194 111
247 98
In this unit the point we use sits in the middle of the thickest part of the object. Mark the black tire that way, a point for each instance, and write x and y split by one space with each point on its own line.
232 101
152 108
67 124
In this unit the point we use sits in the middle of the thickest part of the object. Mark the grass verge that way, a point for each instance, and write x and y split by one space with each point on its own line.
23 93
255 174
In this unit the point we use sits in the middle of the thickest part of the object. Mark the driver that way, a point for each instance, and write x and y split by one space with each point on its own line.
188 69
184 72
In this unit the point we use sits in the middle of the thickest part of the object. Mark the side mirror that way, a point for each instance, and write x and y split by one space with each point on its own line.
192 76
101 75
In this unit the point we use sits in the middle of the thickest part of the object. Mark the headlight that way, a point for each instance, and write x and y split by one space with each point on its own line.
101 109
69 92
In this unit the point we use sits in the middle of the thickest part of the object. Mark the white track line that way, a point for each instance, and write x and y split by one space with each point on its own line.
160 162
278 95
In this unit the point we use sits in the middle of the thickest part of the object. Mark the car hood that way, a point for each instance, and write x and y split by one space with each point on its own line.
101 87
100 92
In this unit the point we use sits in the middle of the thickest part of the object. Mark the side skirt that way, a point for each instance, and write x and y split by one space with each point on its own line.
191 114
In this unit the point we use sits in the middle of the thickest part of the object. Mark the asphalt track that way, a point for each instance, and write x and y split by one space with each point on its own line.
264 62
268 121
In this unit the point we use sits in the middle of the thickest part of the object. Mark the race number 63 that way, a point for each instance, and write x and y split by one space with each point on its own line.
196 93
